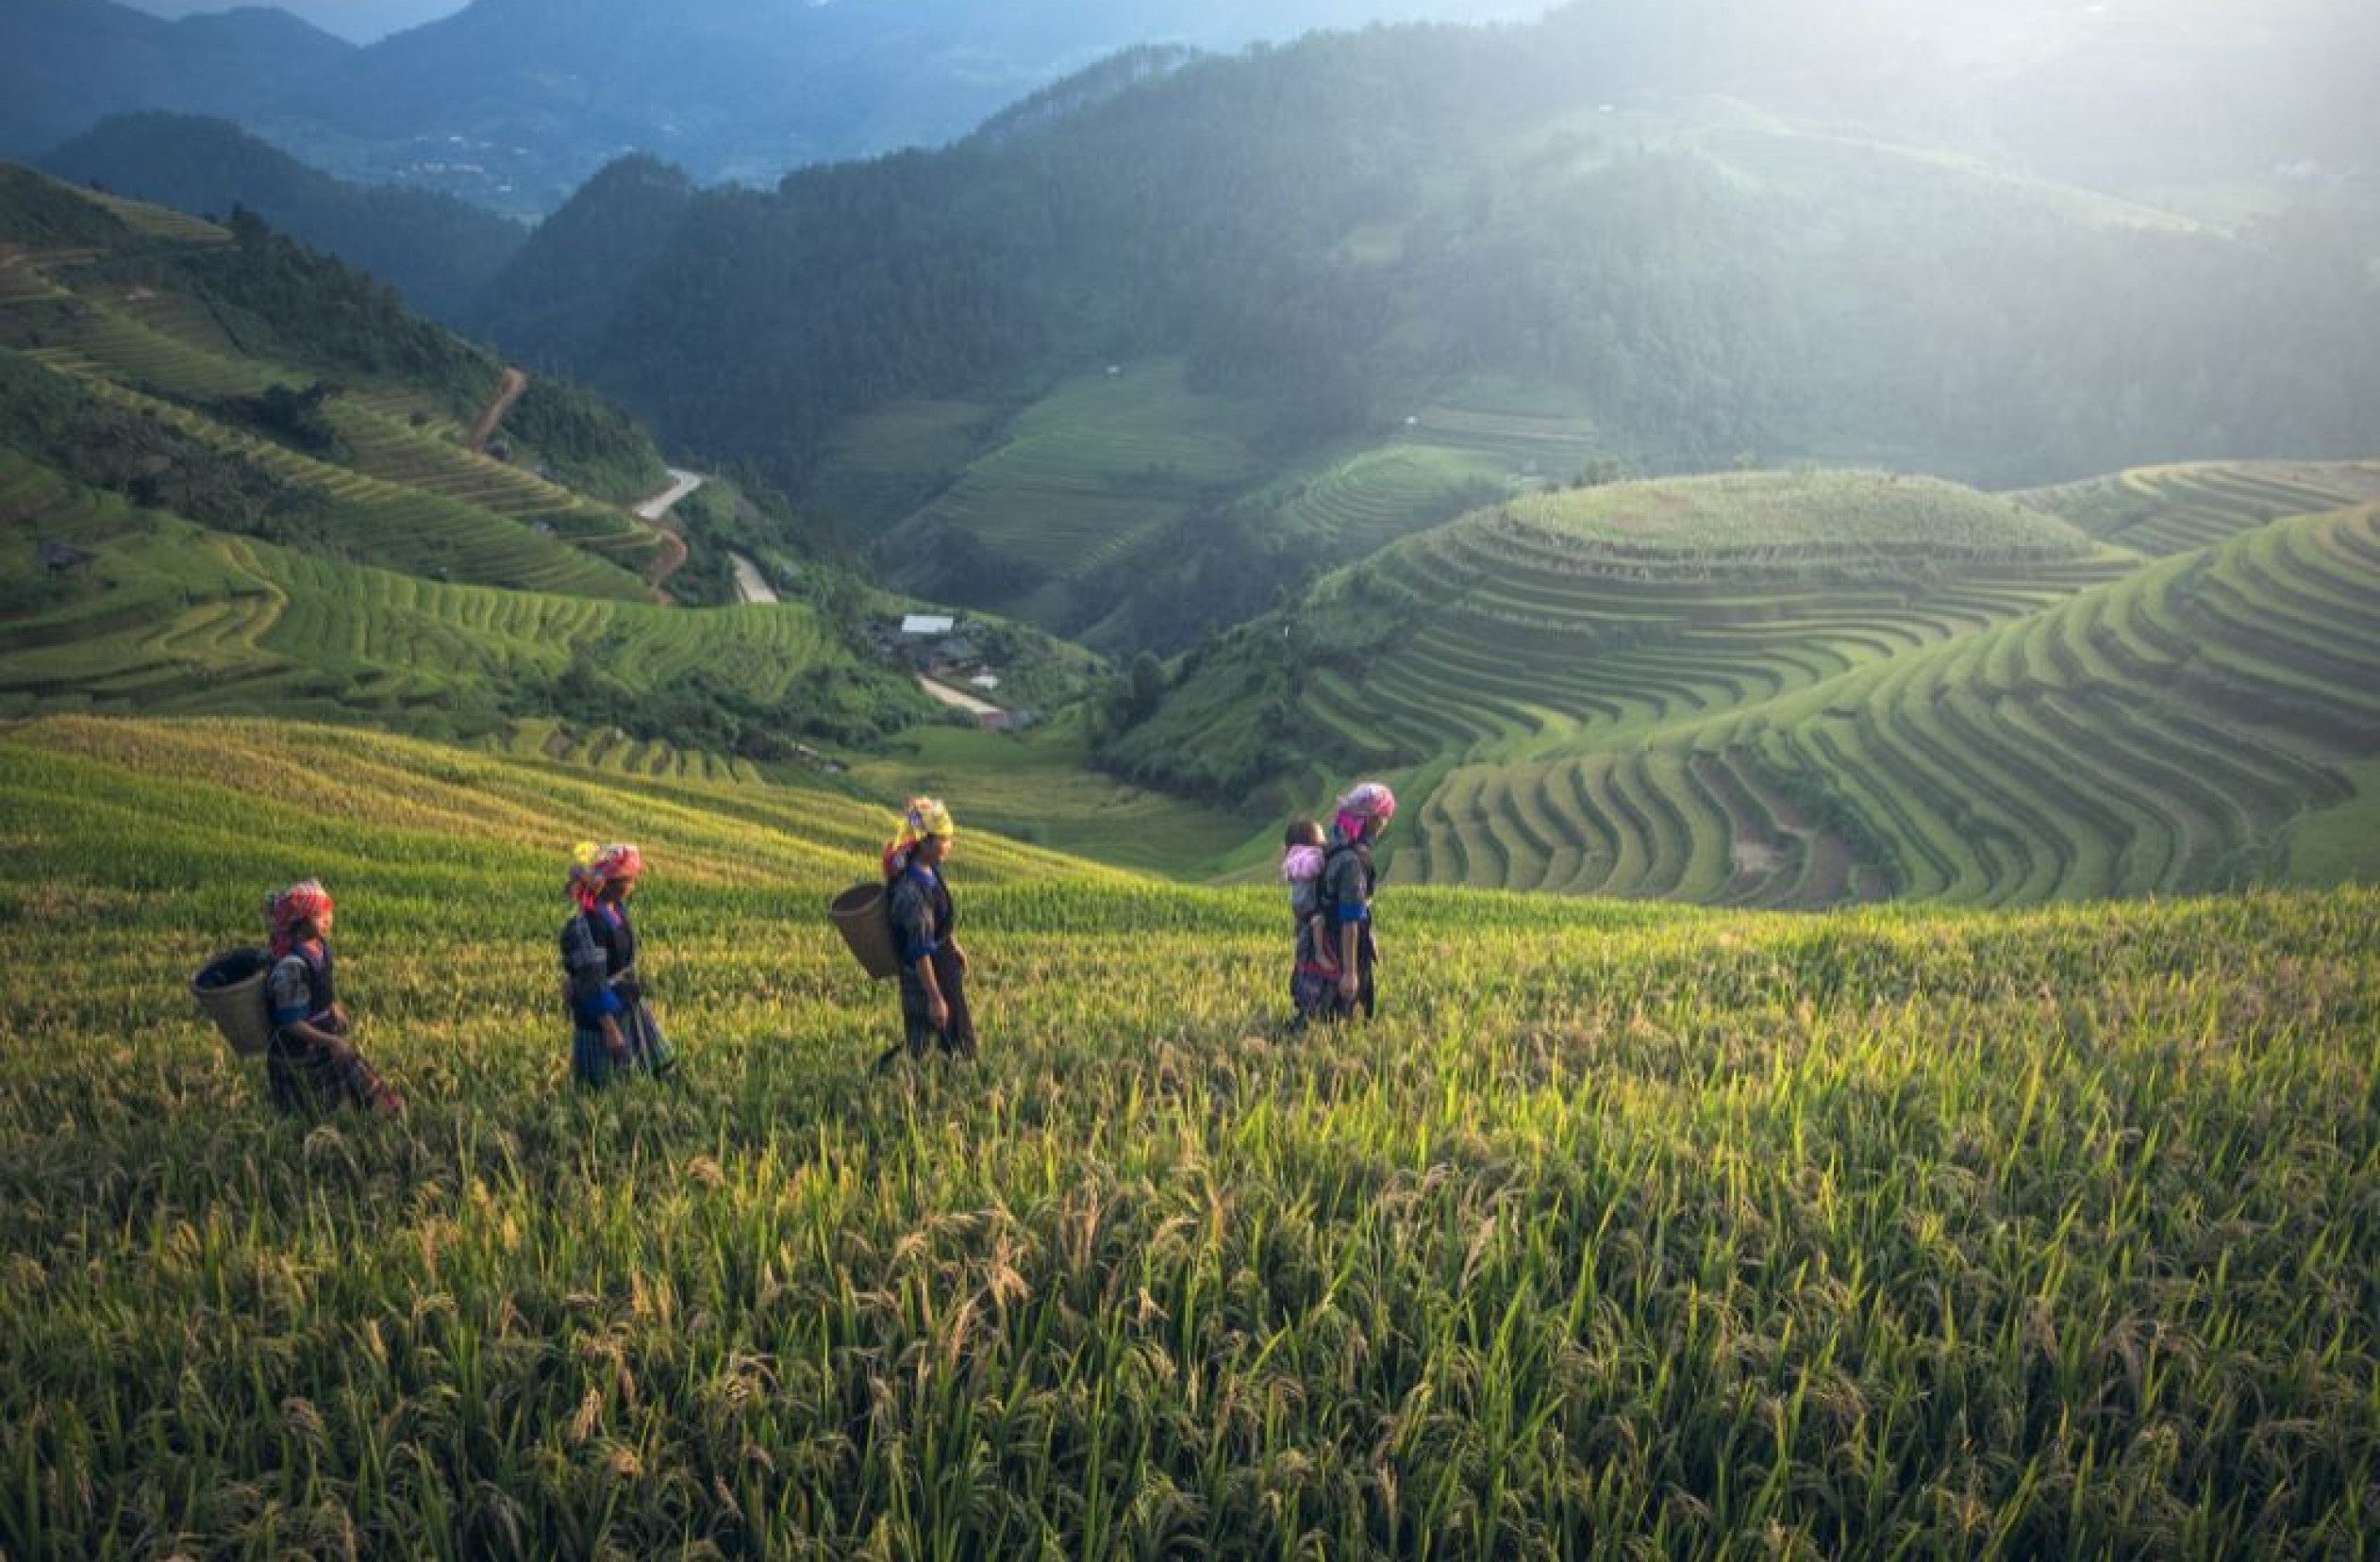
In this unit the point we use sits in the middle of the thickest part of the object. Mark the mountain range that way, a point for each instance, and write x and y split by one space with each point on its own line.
511 104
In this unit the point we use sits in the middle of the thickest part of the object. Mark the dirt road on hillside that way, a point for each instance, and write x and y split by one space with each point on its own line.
508 390
654 511
958 701
750 584
681 484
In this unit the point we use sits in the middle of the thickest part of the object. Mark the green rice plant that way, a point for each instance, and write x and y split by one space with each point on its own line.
1624 1230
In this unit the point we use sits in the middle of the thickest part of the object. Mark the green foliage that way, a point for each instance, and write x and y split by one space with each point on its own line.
150 463
179 620
1349 226
1863 1235
437 252
587 444
295 418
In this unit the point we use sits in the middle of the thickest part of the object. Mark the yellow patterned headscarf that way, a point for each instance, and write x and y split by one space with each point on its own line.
923 816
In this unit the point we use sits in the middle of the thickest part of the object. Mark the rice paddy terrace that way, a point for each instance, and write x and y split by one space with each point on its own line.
1045 501
1627 1229
399 487
169 617
1803 690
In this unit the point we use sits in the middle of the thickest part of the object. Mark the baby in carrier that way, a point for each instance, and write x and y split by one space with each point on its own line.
1314 977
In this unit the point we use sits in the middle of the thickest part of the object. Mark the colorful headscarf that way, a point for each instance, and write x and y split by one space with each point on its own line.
286 910
1369 800
923 816
593 866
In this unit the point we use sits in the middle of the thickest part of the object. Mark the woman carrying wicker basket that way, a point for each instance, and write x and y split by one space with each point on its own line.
310 1065
614 1032
925 930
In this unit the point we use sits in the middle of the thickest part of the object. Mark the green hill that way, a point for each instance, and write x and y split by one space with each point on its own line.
1881 1232
1805 690
169 617
1285 307
437 251
2205 722
265 465
1574 617
157 319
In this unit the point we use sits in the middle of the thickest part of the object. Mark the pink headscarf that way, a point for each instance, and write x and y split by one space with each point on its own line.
286 910
596 866
1368 801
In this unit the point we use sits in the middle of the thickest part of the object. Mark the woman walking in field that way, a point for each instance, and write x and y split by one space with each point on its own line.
924 923
1349 882
614 1032
1314 968
309 1065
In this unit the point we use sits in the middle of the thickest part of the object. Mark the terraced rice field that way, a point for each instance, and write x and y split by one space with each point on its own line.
879 466
174 619
1090 472
374 519
2162 734
1623 1231
1518 640
1624 720
2171 509
1378 495
404 496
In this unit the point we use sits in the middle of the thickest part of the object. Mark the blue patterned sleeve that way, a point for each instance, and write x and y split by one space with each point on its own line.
912 922
591 994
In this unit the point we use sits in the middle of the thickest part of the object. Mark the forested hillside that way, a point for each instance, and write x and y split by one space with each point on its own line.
440 254
1339 242
235 478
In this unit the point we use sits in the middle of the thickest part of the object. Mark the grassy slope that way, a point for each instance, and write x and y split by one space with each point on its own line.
1880 1233
171 617
1566 620
1038 786
1747 691
118 312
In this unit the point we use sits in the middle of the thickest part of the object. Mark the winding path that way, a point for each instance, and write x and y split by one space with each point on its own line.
654 511
751 585
953 698
681 484
508 390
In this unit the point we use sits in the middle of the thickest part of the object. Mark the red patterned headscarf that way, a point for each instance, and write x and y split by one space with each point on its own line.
286 910
594 867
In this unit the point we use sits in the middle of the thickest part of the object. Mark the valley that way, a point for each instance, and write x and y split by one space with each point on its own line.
1852 535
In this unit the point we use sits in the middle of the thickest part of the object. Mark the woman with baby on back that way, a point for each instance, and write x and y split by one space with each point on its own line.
1332 881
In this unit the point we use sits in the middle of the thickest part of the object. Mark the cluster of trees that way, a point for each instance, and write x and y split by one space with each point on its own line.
296 418
52 418
439 252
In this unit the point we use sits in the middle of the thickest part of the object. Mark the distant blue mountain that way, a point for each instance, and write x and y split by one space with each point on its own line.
511 104
439 252
66 64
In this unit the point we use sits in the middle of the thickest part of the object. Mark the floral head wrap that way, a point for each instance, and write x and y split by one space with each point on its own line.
1368 801
923 816
593 866
286 910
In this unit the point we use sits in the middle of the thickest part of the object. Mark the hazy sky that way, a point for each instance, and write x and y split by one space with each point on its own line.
357 21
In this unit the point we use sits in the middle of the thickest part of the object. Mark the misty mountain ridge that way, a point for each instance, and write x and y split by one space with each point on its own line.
513 103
